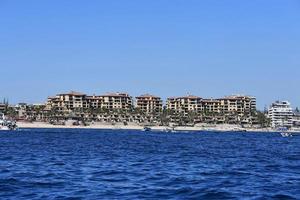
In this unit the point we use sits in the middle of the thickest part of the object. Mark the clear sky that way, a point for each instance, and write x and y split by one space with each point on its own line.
208 48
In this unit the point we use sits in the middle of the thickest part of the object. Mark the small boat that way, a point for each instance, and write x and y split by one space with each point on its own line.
4 128
6 125
286 134
169 130
147 129
238 129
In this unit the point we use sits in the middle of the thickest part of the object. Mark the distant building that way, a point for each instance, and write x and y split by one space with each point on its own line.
149 103
211 106
281 114
67 101
73 100
95 102
52 102
239 104
184 104
215 109
21 108
296 119
117 101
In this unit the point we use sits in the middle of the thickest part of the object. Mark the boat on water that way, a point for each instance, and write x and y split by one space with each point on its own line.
169 130
286 134
6 125
166 130
146 128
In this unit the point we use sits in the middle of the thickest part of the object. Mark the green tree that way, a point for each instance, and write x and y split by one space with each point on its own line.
262 119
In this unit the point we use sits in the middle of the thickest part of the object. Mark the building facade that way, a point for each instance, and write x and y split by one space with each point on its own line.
281 114
296 119
211 106
190 106
149 103
237 104
67 101
94 102
76 100
117 101
184 104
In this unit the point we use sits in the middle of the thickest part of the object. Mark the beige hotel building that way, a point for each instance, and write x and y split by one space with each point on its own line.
149 103
184 104
239 104
72 100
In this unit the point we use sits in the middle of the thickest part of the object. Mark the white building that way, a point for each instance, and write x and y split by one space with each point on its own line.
281 114
296 119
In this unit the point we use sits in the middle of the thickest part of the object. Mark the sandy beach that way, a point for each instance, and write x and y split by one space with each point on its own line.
218 128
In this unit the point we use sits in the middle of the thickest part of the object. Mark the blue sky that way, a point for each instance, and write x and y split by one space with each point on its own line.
208 48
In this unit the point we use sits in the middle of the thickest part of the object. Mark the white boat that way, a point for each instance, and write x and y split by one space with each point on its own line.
4 128
169 130
285 134
6 125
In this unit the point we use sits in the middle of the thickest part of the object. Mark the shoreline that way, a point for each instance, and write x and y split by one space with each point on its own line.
99 126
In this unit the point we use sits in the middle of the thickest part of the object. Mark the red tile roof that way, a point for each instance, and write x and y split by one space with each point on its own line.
73 93
186 97
147 96
117 94
210 101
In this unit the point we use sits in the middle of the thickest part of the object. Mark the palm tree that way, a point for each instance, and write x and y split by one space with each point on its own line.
11 112
191 117
165 116
262 119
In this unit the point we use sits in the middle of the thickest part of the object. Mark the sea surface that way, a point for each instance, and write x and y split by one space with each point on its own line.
106 164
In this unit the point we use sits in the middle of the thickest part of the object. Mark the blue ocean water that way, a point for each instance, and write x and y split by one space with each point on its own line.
105 164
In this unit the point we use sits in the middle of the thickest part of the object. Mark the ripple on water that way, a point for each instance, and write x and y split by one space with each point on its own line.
92 164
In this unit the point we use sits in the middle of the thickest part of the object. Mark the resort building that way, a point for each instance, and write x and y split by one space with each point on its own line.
119 101
149 104
281 114
67 101
184 104
296 119
240 104
73 100
53 102
186 108
210 106
94 101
